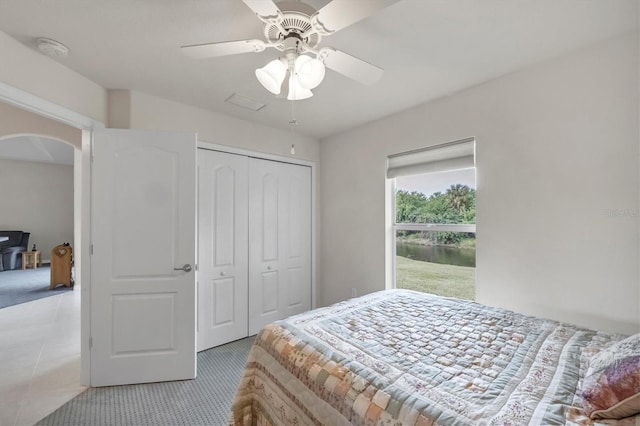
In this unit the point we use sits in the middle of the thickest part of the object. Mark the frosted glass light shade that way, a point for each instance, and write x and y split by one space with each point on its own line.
296 91
272 75
310 71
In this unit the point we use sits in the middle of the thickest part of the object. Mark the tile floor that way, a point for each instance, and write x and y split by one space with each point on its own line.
39 357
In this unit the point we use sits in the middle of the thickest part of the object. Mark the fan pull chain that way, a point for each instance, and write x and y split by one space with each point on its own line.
293 123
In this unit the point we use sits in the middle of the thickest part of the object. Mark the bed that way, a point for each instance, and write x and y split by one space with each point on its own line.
400 357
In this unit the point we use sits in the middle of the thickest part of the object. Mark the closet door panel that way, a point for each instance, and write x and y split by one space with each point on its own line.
296 235
296 297
222 248
222 299
264 243
270 293
280 241
269 226
223 209
298 198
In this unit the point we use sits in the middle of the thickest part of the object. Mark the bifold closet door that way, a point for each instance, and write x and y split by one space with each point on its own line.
279 241
222 248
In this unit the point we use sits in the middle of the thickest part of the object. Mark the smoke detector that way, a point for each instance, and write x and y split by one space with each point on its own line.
52 48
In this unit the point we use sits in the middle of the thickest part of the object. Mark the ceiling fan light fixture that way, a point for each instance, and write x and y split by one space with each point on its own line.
272 75
296 91
310 71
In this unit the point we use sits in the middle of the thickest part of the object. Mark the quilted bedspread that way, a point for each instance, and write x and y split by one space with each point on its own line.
400 357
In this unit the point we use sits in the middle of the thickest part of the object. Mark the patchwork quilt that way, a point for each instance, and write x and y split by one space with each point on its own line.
400 357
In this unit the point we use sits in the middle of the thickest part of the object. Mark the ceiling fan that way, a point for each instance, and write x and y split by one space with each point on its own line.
296 29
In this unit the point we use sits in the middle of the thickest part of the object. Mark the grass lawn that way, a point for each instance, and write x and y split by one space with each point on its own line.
443 280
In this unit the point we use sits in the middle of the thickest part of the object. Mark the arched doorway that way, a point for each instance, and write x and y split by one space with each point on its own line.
40 339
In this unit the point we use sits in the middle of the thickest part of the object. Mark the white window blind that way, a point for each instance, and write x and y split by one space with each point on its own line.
448 156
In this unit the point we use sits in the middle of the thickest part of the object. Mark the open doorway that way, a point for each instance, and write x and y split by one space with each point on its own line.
37 216
38 175
40 338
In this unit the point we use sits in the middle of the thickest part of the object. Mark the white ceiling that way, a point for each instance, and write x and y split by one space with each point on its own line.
428 48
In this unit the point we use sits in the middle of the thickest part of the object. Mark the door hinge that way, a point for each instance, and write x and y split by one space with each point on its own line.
90 342
91 249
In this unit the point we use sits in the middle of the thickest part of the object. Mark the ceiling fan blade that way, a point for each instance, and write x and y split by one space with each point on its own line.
265 9
350 66
341 13
212 50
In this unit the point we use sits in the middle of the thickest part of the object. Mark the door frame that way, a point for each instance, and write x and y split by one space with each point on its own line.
282 159
82 201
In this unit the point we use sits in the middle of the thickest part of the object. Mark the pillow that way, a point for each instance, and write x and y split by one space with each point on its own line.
611 386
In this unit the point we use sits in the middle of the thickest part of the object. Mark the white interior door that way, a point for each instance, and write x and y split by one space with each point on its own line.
279 241
222 247
143 303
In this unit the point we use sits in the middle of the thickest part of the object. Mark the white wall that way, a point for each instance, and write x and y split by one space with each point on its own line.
557 153
16 121
38 198
148 112
32 72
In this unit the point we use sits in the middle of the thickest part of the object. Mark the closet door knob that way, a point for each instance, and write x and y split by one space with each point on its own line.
222 274
268 268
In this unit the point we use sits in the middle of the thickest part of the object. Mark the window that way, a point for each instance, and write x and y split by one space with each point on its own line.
434 226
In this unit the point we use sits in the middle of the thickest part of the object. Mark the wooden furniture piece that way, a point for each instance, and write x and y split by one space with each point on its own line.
61 262
30 259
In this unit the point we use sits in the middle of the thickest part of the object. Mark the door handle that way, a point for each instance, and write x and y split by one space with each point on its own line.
185 268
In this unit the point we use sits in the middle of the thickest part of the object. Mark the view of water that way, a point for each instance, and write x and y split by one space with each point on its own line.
437 254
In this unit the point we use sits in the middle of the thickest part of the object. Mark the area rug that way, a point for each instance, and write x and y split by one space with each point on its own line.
24 285
204 401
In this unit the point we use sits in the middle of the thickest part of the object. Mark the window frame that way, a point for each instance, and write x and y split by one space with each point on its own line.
425 227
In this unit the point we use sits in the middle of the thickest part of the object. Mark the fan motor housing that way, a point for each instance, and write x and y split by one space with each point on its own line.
296 19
